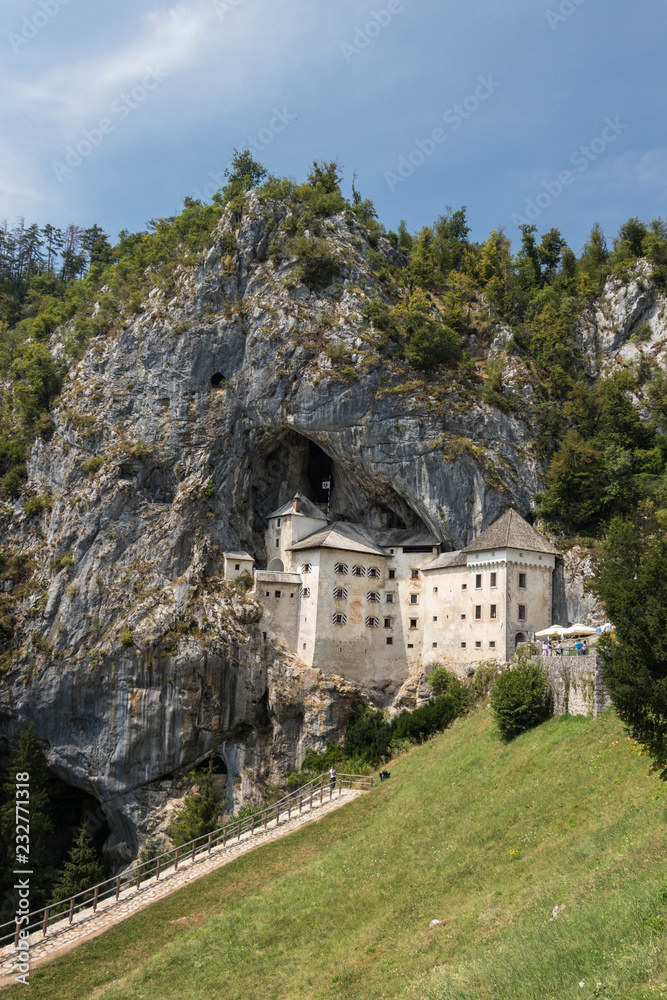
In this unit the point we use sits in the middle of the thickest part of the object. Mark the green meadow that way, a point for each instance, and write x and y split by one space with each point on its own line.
485 837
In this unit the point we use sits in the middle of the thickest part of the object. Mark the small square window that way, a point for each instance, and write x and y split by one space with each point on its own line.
522 581
435 645
492 644
493 580
414 598
478 645
522 612
493 612
435 590
268 593
478 612
413 623
389 598
464 586
237 566
411 645
463 618
291 595
414 574
390 641
392 574
387 623
277 593
463 645
435 618
478 581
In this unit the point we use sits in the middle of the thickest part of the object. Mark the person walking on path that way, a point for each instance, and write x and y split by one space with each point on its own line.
584 648
578 646
332 778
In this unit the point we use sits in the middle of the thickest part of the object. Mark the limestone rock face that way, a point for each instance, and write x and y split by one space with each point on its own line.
233 387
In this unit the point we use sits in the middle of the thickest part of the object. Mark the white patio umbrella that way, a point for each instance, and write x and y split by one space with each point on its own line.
578 629
552 630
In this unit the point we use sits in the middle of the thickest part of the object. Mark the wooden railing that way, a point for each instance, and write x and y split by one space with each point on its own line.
312 795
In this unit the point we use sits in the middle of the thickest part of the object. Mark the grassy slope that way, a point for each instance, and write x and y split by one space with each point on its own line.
484 837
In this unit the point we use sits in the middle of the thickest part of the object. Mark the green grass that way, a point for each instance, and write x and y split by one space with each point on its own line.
483 836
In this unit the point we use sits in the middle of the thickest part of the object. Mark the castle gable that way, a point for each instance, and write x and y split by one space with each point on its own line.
343 536
511 531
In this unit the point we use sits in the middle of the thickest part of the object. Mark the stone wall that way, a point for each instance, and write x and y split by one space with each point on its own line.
577 684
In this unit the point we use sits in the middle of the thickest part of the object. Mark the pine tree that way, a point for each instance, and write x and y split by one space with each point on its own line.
199 814
29 759
83 869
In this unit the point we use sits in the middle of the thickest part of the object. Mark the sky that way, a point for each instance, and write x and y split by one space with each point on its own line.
544 111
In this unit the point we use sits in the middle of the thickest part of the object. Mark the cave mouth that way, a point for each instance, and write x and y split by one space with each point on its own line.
70 809
217 379
292 463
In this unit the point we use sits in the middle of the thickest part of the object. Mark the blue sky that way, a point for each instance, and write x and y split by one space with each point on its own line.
549 110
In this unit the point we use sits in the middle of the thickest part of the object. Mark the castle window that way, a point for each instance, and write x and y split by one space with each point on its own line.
522 581
392 574
268 593
478 645
414 574
390 641
414 598
494 577
373 597
339 619
389 598
305 591
340 568
372 623
411 645
358 571
478 612
435 645
374 572
277 593
387 623
492 644
522 612
493 613
478 581
264 636
435 618
237 565
340 593
413 623
463 645
464 586
277 522
463 618
277 543
435 590
306 567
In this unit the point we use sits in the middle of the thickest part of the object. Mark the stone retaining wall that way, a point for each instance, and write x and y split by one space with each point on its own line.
576 683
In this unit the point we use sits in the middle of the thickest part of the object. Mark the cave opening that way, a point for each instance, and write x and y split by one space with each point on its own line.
293 463
70 809
217 379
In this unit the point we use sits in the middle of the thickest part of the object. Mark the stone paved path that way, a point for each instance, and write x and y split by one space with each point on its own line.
64 936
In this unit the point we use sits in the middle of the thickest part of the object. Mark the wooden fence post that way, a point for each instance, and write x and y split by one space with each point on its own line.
71 909
117 888
97 889
209 842
176 864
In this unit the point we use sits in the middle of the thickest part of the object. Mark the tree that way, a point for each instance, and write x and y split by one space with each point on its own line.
630 578
82 871
246 171
326 177
199 814
520 698
29 759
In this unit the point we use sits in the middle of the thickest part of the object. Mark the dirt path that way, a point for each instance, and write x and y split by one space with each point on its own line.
64 936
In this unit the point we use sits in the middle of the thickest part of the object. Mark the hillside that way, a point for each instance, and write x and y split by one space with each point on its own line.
159 406
485 837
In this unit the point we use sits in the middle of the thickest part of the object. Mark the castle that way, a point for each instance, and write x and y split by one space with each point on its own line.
349 599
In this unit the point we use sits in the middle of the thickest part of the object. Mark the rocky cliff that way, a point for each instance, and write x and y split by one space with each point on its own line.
234 385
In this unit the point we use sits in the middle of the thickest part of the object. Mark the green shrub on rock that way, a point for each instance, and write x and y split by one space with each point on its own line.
520 699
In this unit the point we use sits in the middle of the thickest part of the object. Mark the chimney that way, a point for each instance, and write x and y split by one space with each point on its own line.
297 504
